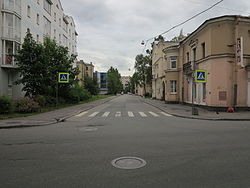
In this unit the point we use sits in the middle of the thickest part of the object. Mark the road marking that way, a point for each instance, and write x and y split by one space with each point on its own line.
165 114
94 114
153 114
106 114
81 114
130 114
142 114
118 114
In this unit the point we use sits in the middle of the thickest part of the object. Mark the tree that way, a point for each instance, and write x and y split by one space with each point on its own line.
114 83
134 81
179 38
91 85
143 67
39 65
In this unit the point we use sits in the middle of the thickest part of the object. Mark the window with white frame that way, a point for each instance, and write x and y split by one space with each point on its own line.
28 11
173 62
47 6
173 85
47 26
37 19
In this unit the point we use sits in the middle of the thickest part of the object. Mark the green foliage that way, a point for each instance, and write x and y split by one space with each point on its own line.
6 105
179 38
50 100
160 38
91 85
134 81
41 100
114 83
39 65
78 93
26 105
143 67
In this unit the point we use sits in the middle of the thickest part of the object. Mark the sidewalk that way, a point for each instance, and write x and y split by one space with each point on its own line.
185 111
51 117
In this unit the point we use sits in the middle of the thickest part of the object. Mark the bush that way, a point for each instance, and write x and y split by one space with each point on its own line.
41 100
27 105
78 93
6 105
50 101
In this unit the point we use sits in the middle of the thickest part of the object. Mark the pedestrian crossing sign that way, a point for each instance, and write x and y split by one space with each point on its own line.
63 77
201 76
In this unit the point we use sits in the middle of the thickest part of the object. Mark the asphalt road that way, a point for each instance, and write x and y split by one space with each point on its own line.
78 153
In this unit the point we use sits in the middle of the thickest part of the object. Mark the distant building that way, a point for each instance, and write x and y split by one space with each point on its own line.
41 18
101 78
86 70
125 81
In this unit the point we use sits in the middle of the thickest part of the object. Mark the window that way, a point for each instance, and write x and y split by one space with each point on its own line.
60 40
54 16
47 26
203 50
28 11
38 2
204 91
37 19
194 54
54 34
47 6
60 22
187 57
173 86
37 38
173 62
87 68
65 41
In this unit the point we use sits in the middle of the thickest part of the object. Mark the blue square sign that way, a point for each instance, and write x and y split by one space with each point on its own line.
63 77
201 76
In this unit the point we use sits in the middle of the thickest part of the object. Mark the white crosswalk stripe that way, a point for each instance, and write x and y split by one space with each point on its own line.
118 114
93 114
130 114
153 114
142 114
106 114
165 114
81 114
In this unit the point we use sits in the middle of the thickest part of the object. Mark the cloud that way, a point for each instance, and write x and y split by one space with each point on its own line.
110 31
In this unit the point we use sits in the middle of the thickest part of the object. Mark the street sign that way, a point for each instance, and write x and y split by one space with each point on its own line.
201 76
63 77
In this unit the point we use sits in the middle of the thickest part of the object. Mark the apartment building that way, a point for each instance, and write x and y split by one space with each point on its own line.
125 81
159 66
86 69
42 18
221 48
101 78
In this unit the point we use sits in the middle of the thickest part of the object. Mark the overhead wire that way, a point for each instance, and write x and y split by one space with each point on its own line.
207 9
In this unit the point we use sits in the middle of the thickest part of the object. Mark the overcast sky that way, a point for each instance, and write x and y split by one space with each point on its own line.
111 31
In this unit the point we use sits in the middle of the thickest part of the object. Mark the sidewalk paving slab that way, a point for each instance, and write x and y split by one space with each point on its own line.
52 117
185 111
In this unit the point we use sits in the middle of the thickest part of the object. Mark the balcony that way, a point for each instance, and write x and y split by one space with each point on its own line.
187 68
8 61
11 33
12 6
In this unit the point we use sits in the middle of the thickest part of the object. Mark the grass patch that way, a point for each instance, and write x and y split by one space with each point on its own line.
51 108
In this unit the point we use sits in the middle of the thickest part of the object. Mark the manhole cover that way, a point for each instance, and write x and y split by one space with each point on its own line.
128 163
88 129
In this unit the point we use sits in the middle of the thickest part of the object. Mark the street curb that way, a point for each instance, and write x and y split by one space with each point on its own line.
198 118
62 119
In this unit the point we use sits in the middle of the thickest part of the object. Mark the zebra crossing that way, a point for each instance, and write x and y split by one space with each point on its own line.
122 114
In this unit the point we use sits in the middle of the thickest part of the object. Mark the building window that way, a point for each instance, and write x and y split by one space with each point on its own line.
54 16
203 50
173 62
47 6
38 2
47 26
173 85
204 91
87 68
37 19
37 38
194 54
28 11
54 34
60 40
188 57
60 22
